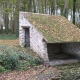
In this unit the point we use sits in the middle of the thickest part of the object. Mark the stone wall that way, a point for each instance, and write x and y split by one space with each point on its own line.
36 39
22 23
37 43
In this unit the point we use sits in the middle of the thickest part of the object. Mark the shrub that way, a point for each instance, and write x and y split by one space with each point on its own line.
1 58
37 61
24 65
2 69
20 56
29 58
11 61
33 61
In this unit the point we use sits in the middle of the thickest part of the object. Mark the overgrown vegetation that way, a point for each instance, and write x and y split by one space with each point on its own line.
16 59
69 71
55 29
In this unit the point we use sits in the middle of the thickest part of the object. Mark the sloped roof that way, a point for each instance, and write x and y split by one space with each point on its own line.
55 29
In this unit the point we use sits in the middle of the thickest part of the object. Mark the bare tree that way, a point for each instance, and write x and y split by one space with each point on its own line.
54 6
65 10
74 10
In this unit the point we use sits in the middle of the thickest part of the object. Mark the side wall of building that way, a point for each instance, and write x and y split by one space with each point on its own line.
37 43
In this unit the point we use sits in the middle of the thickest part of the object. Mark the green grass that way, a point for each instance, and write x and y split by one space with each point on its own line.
7 36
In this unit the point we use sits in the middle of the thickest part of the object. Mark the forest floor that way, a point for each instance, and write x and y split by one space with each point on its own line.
34 73
61 72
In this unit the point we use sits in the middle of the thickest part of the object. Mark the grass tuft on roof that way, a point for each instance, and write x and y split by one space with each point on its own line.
55 29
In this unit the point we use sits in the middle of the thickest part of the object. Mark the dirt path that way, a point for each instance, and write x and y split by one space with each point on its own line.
31 74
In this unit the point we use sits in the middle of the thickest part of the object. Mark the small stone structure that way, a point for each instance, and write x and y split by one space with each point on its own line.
37 42
52 37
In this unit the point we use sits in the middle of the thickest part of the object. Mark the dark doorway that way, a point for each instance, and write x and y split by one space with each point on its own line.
59 51
27 37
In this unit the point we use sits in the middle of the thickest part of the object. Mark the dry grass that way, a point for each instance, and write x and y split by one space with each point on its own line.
14 43
55 28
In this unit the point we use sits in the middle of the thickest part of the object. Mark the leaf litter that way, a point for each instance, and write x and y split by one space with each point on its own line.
34 73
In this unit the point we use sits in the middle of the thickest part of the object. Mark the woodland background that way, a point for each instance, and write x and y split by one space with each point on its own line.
9 11
24 58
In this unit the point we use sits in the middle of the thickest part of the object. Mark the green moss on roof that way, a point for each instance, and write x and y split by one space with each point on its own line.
55 29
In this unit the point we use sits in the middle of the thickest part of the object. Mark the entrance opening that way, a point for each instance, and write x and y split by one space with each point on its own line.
63 52
27 37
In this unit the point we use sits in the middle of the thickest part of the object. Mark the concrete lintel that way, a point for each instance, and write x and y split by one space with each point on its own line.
25 26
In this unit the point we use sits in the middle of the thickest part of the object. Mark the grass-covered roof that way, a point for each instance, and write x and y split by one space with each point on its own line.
55 29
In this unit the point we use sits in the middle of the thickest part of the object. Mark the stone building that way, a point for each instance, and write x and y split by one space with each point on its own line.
52 37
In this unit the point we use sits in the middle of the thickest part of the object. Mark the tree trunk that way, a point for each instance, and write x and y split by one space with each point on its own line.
54 12
45 6
34 6
42 6
65 10
24 5
39 6
30 5
52 8
17 18
1 28
74 10
6 19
